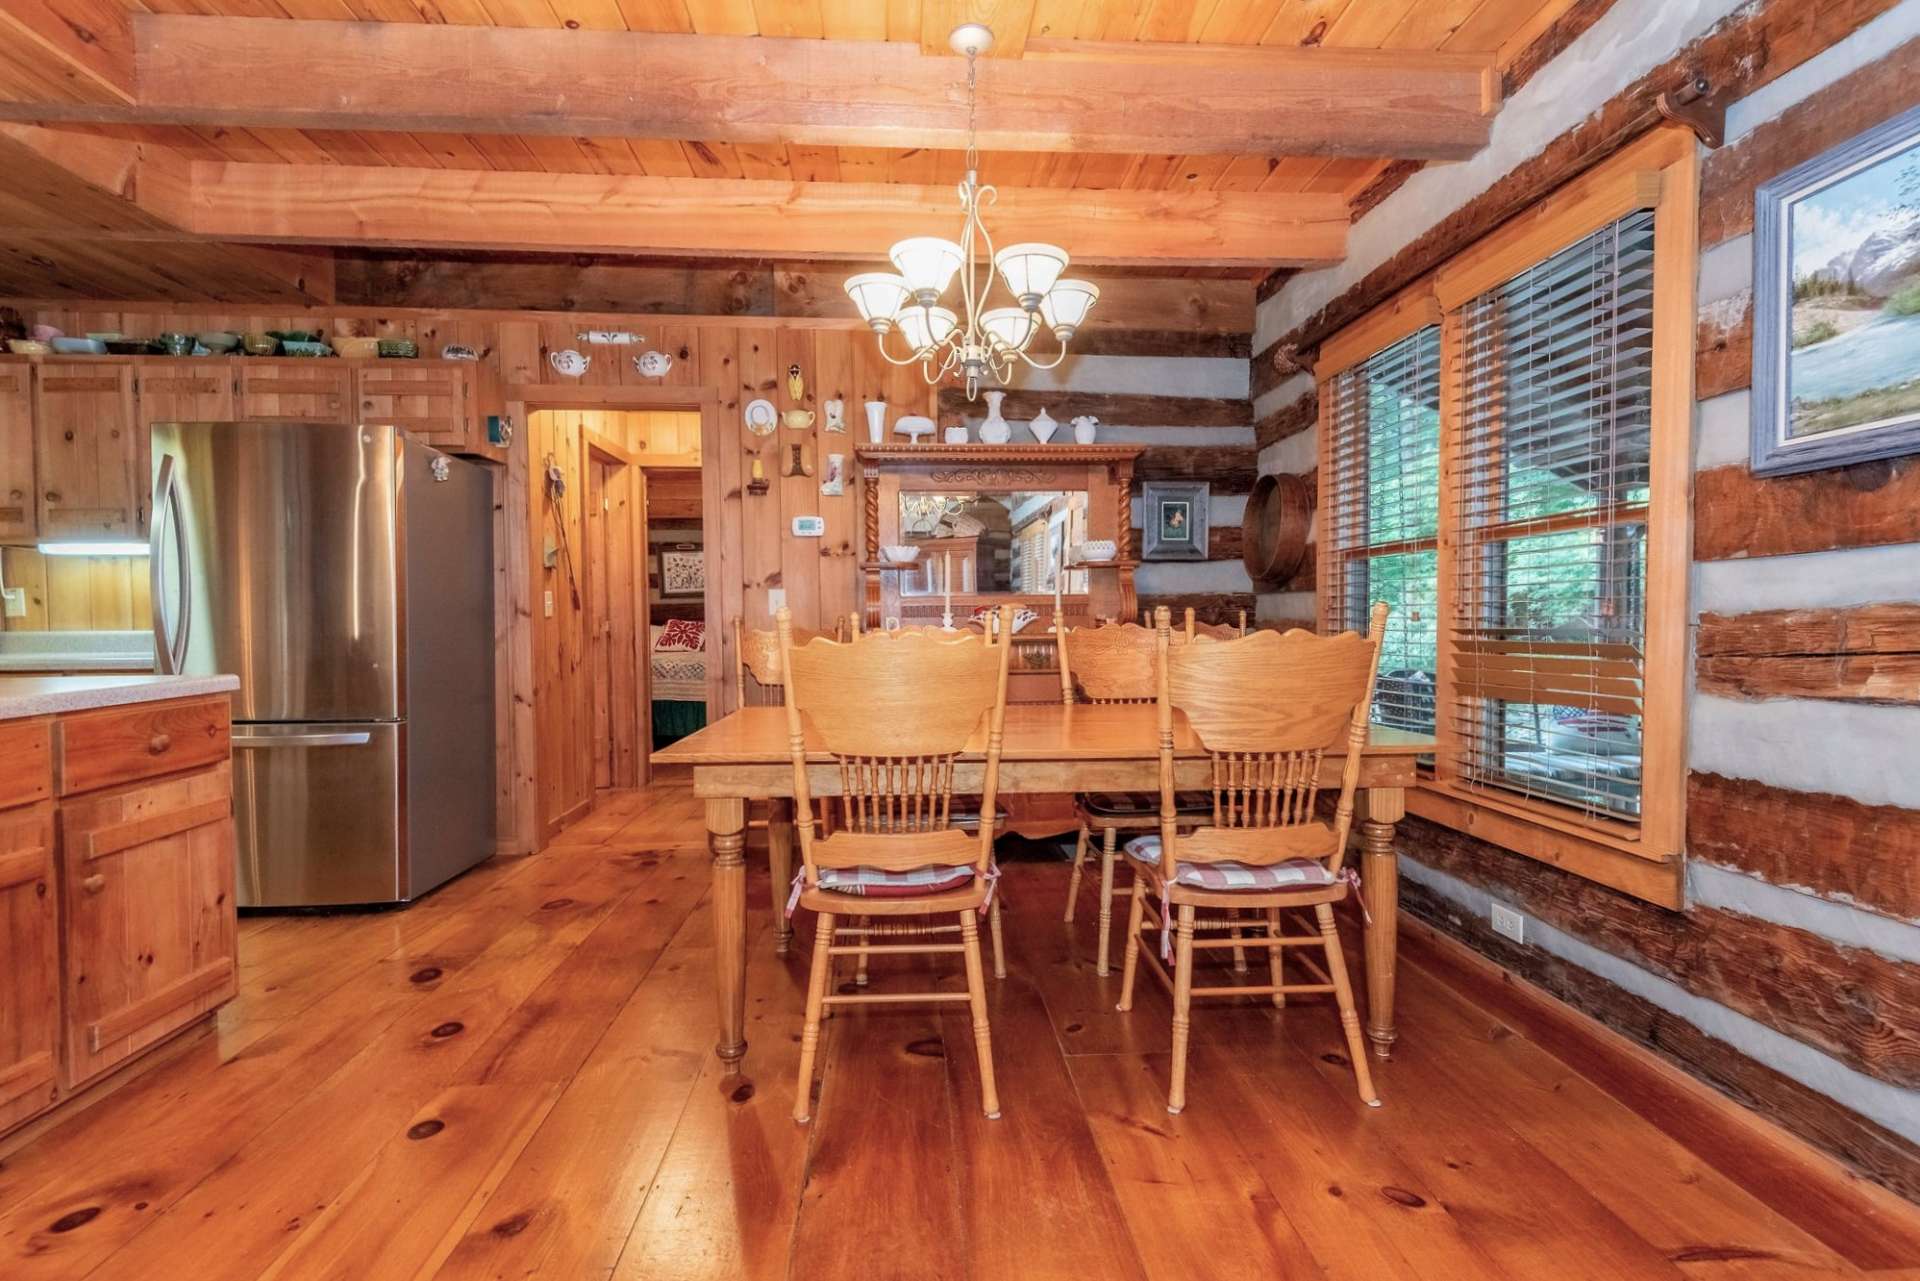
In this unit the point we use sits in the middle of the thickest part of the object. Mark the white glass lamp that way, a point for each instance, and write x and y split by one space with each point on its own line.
928 264
1030 270
879 295
1012 327
925 327
1066 305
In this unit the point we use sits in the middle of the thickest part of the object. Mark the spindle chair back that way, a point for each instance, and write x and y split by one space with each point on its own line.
1271 710
894 712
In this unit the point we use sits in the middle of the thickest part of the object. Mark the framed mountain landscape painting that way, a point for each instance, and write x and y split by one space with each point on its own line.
1836 337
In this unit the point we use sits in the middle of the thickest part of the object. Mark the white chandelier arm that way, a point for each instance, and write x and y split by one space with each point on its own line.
1057 358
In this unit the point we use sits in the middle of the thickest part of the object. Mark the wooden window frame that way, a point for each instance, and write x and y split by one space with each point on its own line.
1660 171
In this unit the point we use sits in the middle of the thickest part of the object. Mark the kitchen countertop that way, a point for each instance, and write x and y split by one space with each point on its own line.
70 651
47 695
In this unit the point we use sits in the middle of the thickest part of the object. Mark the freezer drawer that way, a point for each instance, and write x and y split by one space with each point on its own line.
318 808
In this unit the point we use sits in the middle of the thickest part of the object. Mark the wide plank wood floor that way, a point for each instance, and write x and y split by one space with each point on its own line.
514 1079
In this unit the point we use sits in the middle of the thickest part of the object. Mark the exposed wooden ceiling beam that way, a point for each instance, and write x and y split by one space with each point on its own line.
66 192
266 72
464 209
69 50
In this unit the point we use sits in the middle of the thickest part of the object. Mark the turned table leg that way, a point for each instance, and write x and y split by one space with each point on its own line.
1380 809
780 860
727 839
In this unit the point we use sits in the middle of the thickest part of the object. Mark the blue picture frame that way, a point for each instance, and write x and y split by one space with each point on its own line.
1792 300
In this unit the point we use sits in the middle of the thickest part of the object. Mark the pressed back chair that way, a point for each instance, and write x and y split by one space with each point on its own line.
967 813
1269 709
756 655
1113 663
1213 631
894 714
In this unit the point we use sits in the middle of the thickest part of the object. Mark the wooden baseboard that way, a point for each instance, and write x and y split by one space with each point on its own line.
1827 1197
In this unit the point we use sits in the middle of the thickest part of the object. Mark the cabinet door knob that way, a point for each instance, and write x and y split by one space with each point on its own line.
94 884
159 743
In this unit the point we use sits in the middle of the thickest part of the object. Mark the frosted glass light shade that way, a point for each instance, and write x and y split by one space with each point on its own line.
879 295
925 327
1030 269
1012 326
927 263
1067 304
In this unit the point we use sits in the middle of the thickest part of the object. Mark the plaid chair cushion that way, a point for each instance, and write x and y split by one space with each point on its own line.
872 882
1144 804
1294 874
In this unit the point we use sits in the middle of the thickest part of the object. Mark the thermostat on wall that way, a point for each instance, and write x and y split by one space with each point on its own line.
809 526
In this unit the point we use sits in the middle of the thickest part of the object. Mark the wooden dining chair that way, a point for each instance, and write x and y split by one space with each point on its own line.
1111 664
894 714
758 672
1269 709
1215 631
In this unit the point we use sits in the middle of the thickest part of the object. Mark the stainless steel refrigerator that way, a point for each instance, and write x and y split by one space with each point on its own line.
345 574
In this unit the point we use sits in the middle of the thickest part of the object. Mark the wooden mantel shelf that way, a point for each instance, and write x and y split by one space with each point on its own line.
989 454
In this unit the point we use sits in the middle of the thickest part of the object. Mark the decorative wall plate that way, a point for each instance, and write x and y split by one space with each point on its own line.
454 351
569 363
653 364
761 417
609 337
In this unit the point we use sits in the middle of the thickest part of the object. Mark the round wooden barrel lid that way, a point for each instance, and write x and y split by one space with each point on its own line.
1274 529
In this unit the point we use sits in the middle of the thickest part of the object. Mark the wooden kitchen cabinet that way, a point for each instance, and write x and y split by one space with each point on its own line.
117 920
146 878
85 449
18 511
296 389
184 389
445 404
428 400
30 981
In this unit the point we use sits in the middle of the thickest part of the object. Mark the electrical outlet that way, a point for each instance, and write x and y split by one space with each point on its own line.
1509 923
16 602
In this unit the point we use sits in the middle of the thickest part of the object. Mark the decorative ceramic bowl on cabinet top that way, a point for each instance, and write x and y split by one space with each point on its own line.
27 347
1097 550
399 349
218 341
900 554
357 348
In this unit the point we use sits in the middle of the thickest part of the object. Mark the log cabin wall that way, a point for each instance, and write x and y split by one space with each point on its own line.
1791 980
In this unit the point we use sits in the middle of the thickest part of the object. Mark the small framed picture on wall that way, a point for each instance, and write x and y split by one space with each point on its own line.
682 572
1836 305
1174 520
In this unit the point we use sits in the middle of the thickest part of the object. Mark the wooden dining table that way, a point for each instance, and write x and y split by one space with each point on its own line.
1047 748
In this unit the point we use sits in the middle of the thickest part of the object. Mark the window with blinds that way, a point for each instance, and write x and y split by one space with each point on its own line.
1551 460
1383 516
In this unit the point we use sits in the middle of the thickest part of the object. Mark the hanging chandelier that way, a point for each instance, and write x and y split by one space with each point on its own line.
978 342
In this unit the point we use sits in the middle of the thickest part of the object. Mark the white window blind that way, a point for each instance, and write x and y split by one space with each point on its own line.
1383 516
1551 461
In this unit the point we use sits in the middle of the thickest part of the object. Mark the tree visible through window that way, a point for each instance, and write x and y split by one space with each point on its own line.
1384 519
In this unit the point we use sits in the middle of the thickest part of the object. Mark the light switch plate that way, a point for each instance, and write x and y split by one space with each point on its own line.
547 604
1509 923
776 599
16 602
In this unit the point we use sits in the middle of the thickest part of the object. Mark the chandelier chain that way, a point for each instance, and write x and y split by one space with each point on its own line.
973 84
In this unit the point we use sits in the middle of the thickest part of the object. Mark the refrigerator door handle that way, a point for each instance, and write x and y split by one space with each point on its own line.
169 650
342 738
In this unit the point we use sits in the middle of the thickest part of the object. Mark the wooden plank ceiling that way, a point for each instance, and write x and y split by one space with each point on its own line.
75 71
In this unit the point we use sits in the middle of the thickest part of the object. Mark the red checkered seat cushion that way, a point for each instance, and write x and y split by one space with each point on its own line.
873 882
1293 874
